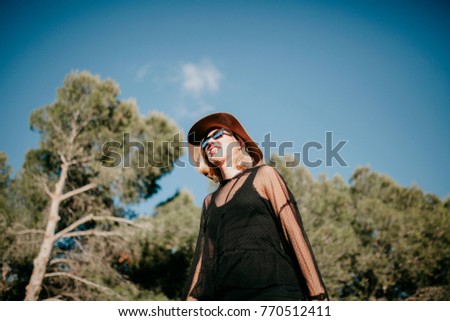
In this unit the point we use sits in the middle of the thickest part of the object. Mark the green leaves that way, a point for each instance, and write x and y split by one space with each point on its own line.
374 239
161 252
65 180
86 115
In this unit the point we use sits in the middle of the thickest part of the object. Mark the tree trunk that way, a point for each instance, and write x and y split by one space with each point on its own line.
40 262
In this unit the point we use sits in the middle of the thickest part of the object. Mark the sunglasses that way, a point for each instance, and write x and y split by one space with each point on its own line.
215 135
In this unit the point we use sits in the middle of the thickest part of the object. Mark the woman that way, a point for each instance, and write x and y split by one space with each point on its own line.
251 244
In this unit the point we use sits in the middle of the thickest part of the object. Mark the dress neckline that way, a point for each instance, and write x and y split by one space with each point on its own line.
223 182
231 178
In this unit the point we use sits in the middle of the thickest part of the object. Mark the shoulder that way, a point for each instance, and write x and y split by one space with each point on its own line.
207 200
267 179
266 171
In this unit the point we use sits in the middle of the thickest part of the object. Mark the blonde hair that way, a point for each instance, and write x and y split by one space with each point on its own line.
241 161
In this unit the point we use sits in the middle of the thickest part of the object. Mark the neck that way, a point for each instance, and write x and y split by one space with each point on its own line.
229 172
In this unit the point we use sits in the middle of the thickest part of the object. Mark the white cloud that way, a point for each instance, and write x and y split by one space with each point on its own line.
200 78
142 72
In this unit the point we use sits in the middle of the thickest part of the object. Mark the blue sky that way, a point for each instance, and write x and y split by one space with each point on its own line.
375 73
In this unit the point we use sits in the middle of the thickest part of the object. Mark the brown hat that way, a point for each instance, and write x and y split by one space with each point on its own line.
220 120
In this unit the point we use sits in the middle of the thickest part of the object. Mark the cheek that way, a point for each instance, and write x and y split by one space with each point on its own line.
232 148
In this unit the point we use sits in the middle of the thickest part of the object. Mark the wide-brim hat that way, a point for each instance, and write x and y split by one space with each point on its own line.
220 120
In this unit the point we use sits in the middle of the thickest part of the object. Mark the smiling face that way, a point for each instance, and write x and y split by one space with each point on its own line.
219 146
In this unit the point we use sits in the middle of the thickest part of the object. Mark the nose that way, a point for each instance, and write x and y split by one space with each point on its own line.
211 141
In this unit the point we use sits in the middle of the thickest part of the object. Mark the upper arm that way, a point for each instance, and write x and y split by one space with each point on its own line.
271 186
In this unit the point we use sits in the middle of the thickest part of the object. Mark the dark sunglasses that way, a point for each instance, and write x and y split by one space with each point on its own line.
216 136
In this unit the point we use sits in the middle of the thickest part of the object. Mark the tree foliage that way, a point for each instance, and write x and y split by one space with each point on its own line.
374 239
161 253
68 190
5 215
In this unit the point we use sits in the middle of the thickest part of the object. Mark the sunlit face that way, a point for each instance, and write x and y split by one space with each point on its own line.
219 146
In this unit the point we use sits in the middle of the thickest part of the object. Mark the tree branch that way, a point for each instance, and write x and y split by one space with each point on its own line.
78 191
91 232
42 181
57 128
87 282
81 160
63 158
46 189
73 226
80 246
60 260
33 231
87 218
114 219
75 128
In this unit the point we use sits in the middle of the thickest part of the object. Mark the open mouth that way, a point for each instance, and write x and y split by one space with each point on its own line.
213 149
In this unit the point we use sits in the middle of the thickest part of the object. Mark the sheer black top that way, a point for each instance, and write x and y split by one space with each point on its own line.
252 245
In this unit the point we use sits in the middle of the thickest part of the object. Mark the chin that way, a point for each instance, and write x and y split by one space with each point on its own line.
216 160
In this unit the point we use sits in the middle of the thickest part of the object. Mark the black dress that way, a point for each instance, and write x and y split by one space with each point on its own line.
252 245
